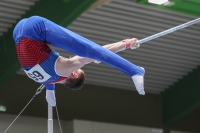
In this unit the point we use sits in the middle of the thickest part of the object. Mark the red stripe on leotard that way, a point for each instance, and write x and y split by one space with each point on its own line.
32 52
60 79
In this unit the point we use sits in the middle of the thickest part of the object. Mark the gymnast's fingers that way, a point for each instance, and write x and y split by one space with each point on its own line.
133 43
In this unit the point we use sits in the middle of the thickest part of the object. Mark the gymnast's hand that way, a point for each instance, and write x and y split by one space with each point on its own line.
133 43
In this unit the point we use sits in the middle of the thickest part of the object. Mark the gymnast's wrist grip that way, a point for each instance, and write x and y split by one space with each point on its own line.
127 43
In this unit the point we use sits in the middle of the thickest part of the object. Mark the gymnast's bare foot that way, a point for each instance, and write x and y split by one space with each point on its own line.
139 83
50 97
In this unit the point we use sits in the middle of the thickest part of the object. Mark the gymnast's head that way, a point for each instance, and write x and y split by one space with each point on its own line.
75 81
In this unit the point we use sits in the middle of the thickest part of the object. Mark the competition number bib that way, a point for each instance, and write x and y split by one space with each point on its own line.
38 74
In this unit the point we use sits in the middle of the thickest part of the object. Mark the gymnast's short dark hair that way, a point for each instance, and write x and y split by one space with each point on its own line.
75 83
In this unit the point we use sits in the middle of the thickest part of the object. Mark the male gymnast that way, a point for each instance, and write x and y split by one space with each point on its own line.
44 65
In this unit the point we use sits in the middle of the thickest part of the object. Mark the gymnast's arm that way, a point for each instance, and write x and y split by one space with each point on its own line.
120 46
78 62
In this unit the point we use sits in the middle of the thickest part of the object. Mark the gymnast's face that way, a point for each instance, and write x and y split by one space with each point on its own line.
75 81
76 73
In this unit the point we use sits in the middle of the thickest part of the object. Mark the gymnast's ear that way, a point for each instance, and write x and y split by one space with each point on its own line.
75 83
75 75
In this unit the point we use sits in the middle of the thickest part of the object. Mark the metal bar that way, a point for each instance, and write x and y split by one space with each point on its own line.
168 31
50 119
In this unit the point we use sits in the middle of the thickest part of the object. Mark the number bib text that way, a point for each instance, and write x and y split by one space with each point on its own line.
38 74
